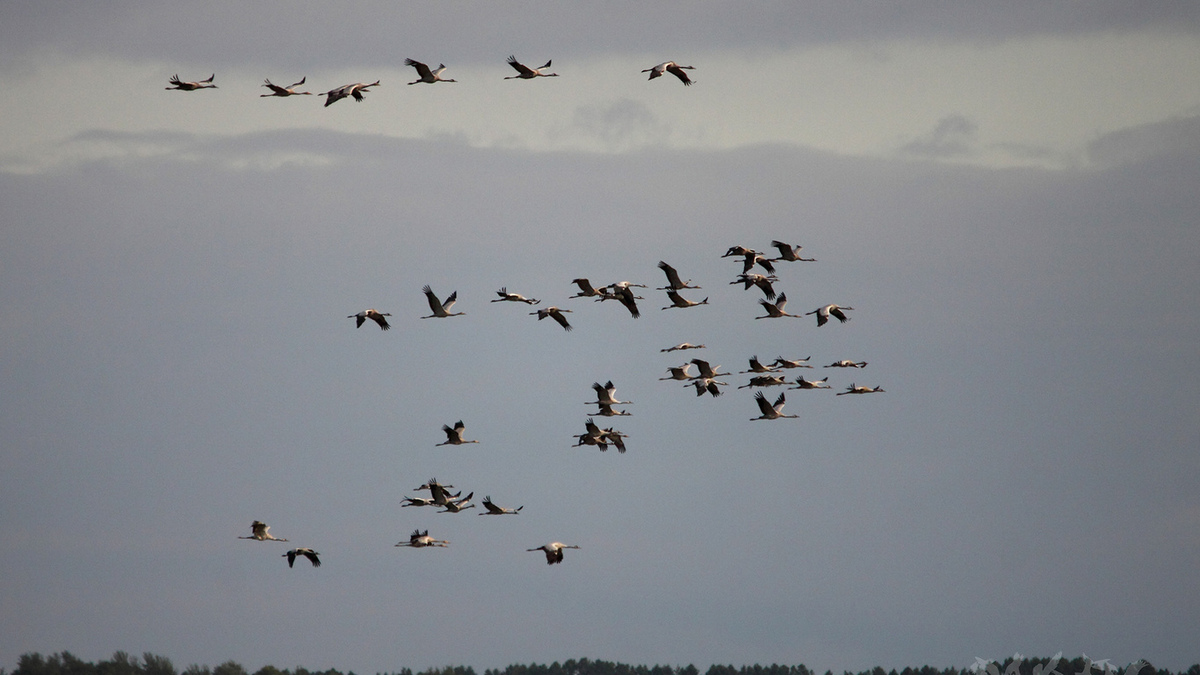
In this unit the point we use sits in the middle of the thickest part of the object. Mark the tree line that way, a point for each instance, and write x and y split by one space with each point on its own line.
121 663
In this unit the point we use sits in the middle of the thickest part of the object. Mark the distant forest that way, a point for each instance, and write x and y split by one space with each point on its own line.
122 663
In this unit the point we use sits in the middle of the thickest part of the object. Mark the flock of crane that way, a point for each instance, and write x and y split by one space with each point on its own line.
705 381
425 75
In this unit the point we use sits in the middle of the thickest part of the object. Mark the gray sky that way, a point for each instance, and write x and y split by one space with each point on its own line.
1005 193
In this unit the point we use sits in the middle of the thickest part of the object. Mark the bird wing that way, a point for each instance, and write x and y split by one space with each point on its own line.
434 303
450 301
836 311
763 404
378 318
312 557
422 69
672 274
627 299
678 72
780 302
562 320
676 299
520 68
335 95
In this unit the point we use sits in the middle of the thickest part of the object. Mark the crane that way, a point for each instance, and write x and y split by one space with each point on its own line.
823 314
706 384
681 346
737 251
593 436
753 257
438 492
419 539
440 309
289 90
756 366
553 551
615 437
606 410
628 299
554 313
847 363
356 90
856 389
678 300
457 505
604 394
525 72
306 552
622 292
781 362
802 383
442 497
494 510
770 411
789 253
416 501
775 309
672 68
585 289
373 315
765 381
674 283
678 372
424 74
260 531
707 371
505 296
454 435
180 85
764 283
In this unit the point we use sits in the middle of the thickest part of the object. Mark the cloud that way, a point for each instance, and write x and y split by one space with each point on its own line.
953 136
620 125
364 32
1176 136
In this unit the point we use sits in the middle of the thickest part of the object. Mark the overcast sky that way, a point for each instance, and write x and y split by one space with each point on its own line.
1004 192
